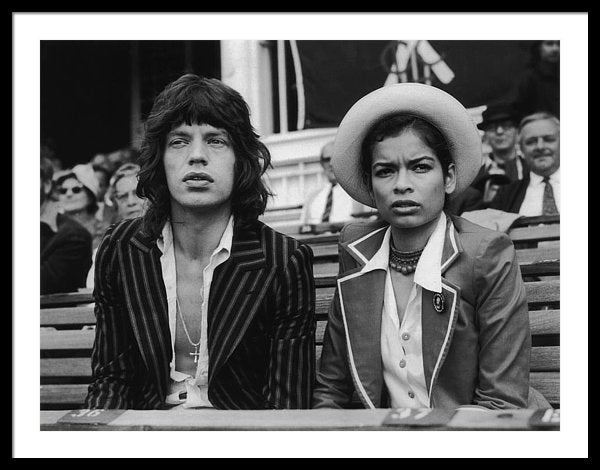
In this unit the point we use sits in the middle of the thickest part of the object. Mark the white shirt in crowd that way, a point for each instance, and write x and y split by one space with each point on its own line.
532 203
342 207
197 386
401 342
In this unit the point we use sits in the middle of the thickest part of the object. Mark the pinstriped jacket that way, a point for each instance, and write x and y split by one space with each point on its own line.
261 323
475 351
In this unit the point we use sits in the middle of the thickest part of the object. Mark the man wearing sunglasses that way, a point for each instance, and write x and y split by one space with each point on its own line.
65 245
199 304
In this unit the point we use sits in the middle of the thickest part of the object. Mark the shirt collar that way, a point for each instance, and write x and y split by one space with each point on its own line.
429 272
537 179
165 240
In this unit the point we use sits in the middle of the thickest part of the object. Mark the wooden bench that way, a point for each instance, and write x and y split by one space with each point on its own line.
67 322
65 351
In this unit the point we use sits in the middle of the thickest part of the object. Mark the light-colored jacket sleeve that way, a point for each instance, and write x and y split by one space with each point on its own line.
503 323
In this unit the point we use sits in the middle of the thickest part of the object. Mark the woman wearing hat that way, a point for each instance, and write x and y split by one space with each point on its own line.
77 194
430 310
124 200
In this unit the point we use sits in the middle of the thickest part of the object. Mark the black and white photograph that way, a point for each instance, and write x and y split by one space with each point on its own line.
317 226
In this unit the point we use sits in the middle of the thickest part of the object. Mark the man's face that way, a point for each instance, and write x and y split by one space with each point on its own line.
501 135
199 166
550 51
540 144
327 152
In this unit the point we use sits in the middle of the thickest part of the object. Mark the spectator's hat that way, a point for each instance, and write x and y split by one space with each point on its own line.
498 112
424 101
84 173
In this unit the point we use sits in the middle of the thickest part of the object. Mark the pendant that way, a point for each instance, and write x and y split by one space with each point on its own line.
196 354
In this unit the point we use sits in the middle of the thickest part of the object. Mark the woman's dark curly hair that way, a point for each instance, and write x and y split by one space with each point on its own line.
197 100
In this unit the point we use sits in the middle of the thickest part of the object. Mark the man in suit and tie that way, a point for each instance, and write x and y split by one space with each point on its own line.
198 304
329 203
539 193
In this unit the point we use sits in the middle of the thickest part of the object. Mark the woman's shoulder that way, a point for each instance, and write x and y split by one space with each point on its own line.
476 239
356 230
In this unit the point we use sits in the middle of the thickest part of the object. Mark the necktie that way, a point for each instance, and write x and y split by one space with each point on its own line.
328 204
548 203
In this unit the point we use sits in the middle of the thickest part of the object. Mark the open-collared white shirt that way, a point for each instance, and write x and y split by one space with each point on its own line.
401 343
534 197
196 387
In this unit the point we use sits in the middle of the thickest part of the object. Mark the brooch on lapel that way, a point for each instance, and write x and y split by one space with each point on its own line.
439 303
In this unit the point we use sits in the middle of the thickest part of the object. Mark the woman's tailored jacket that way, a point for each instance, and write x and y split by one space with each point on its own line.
476 351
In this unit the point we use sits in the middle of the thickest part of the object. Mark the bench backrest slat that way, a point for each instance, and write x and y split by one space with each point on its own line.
531 233
548 384
545 359
79 315
72 367
66 340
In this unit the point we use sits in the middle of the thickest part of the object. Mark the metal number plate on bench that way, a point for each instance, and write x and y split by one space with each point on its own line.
90 416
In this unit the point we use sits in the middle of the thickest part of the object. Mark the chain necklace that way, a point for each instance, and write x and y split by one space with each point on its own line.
196 346
404 262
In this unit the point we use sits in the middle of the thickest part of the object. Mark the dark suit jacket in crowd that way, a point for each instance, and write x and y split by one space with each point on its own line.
509 198
65 256
261 324
471 199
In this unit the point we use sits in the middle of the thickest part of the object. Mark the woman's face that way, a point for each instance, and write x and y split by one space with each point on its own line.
408 182
72 195
129 205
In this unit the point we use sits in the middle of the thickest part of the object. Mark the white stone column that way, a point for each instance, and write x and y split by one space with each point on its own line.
246 67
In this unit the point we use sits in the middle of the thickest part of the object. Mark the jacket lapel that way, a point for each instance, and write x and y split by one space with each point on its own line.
146 301
361 301
519 194
238 288
362 249
361 294
437 330
439 313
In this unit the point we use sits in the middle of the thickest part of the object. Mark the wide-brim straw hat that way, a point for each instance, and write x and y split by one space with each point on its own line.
427 102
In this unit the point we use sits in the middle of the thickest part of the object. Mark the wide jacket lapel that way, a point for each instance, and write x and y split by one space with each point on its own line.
146 301
440 313
238 288
361 301
361 295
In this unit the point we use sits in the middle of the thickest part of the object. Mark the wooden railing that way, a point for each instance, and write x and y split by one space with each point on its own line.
299 420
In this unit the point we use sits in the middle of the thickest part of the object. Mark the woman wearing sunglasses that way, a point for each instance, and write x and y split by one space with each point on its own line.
77 190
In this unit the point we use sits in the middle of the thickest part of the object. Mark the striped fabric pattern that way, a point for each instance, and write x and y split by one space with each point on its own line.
261 324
